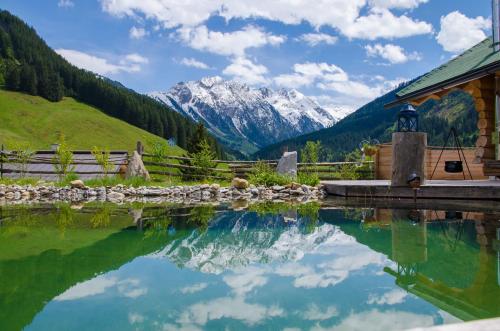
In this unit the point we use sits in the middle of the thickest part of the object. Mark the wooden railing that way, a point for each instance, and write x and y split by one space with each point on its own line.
227 169
42 164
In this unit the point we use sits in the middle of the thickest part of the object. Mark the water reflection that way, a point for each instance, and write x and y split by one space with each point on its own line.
265 266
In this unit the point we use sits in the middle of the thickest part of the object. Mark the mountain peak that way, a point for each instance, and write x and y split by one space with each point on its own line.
244 117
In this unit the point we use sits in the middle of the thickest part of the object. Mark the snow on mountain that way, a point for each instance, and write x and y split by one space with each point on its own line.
247 118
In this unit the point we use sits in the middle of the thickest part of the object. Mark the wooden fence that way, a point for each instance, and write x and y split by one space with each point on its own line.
224 169
41 164
383 163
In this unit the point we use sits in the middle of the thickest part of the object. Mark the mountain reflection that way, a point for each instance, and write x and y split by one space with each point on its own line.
49 254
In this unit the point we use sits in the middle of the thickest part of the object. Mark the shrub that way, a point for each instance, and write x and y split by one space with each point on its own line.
308 178
63 158
22 154
159 151
201 162
102 157
263 174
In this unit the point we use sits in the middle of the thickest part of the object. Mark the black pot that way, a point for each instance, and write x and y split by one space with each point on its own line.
453 166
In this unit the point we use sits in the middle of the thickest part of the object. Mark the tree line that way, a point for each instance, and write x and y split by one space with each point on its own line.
28 65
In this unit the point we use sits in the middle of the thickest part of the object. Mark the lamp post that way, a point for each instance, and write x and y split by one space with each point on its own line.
408 151
408 119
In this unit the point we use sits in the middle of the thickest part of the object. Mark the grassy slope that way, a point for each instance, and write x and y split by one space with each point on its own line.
36 120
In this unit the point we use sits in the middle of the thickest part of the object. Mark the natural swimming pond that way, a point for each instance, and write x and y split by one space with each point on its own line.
261 267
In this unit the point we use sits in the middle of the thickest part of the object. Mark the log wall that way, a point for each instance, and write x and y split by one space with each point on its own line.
383 163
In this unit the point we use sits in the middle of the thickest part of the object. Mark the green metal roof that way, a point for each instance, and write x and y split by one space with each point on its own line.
475 60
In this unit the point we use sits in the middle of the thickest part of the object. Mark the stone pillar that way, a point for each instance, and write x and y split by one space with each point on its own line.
408 157
287 165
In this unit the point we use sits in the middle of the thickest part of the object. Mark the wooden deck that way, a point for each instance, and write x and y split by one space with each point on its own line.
433 189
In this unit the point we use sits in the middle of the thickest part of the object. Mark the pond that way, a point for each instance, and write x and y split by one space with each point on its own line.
261 267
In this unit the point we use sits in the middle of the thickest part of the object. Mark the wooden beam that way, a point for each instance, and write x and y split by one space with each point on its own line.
485 153
484 104
485 124
484 141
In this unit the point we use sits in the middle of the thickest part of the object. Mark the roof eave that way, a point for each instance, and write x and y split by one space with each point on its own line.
447 84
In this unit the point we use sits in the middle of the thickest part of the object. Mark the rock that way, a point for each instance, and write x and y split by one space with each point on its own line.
115 196
277 188
77 184
287 165
136 167
239 183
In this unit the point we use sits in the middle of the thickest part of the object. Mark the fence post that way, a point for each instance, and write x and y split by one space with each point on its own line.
140 148
1 162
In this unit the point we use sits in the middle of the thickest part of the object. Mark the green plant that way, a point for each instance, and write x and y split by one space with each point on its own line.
159 150
102 156
310 212
308 178
116 180
310 152
263 174
22 153
201 164
63 159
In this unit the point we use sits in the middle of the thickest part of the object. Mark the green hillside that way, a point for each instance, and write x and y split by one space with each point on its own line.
373 121
37 121
29 65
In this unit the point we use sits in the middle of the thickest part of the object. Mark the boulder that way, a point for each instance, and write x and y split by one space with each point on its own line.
239 183
136 167
77 184
287 165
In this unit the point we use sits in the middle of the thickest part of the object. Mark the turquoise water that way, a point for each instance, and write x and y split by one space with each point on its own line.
270 267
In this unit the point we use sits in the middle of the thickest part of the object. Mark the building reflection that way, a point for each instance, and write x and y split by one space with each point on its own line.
449 279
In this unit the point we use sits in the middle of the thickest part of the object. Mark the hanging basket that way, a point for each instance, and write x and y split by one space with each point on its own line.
453 167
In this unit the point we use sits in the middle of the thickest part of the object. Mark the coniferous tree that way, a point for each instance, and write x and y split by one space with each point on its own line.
28 80
13 79
55 88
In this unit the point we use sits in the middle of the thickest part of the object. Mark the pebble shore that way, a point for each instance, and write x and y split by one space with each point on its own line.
178 194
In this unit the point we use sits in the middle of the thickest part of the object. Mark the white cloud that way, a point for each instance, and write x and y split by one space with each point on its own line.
392 297
245 281
86 289
399 4
381 23
65 3
193 288
228 43
191 62
352 93
135 318
315 313
314 39
459 32
375 320
393 53
128 63
137 33
129 287
135 58
347 18
307 73
227 307
244 70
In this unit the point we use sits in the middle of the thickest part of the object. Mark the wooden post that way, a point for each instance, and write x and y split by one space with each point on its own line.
140 148
408 157
1 162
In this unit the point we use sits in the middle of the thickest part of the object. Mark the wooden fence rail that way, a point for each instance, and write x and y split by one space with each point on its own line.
42 164
229 168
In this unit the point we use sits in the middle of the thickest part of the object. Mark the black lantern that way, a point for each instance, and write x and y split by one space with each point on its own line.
408 119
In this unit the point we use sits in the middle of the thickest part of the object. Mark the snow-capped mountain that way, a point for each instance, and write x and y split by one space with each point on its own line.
247 118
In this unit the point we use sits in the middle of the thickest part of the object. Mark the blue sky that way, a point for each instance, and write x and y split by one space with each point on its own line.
342 52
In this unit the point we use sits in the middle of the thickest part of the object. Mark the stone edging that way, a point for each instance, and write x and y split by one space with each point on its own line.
182 194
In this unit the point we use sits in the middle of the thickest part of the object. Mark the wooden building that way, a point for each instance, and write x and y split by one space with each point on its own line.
477 72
